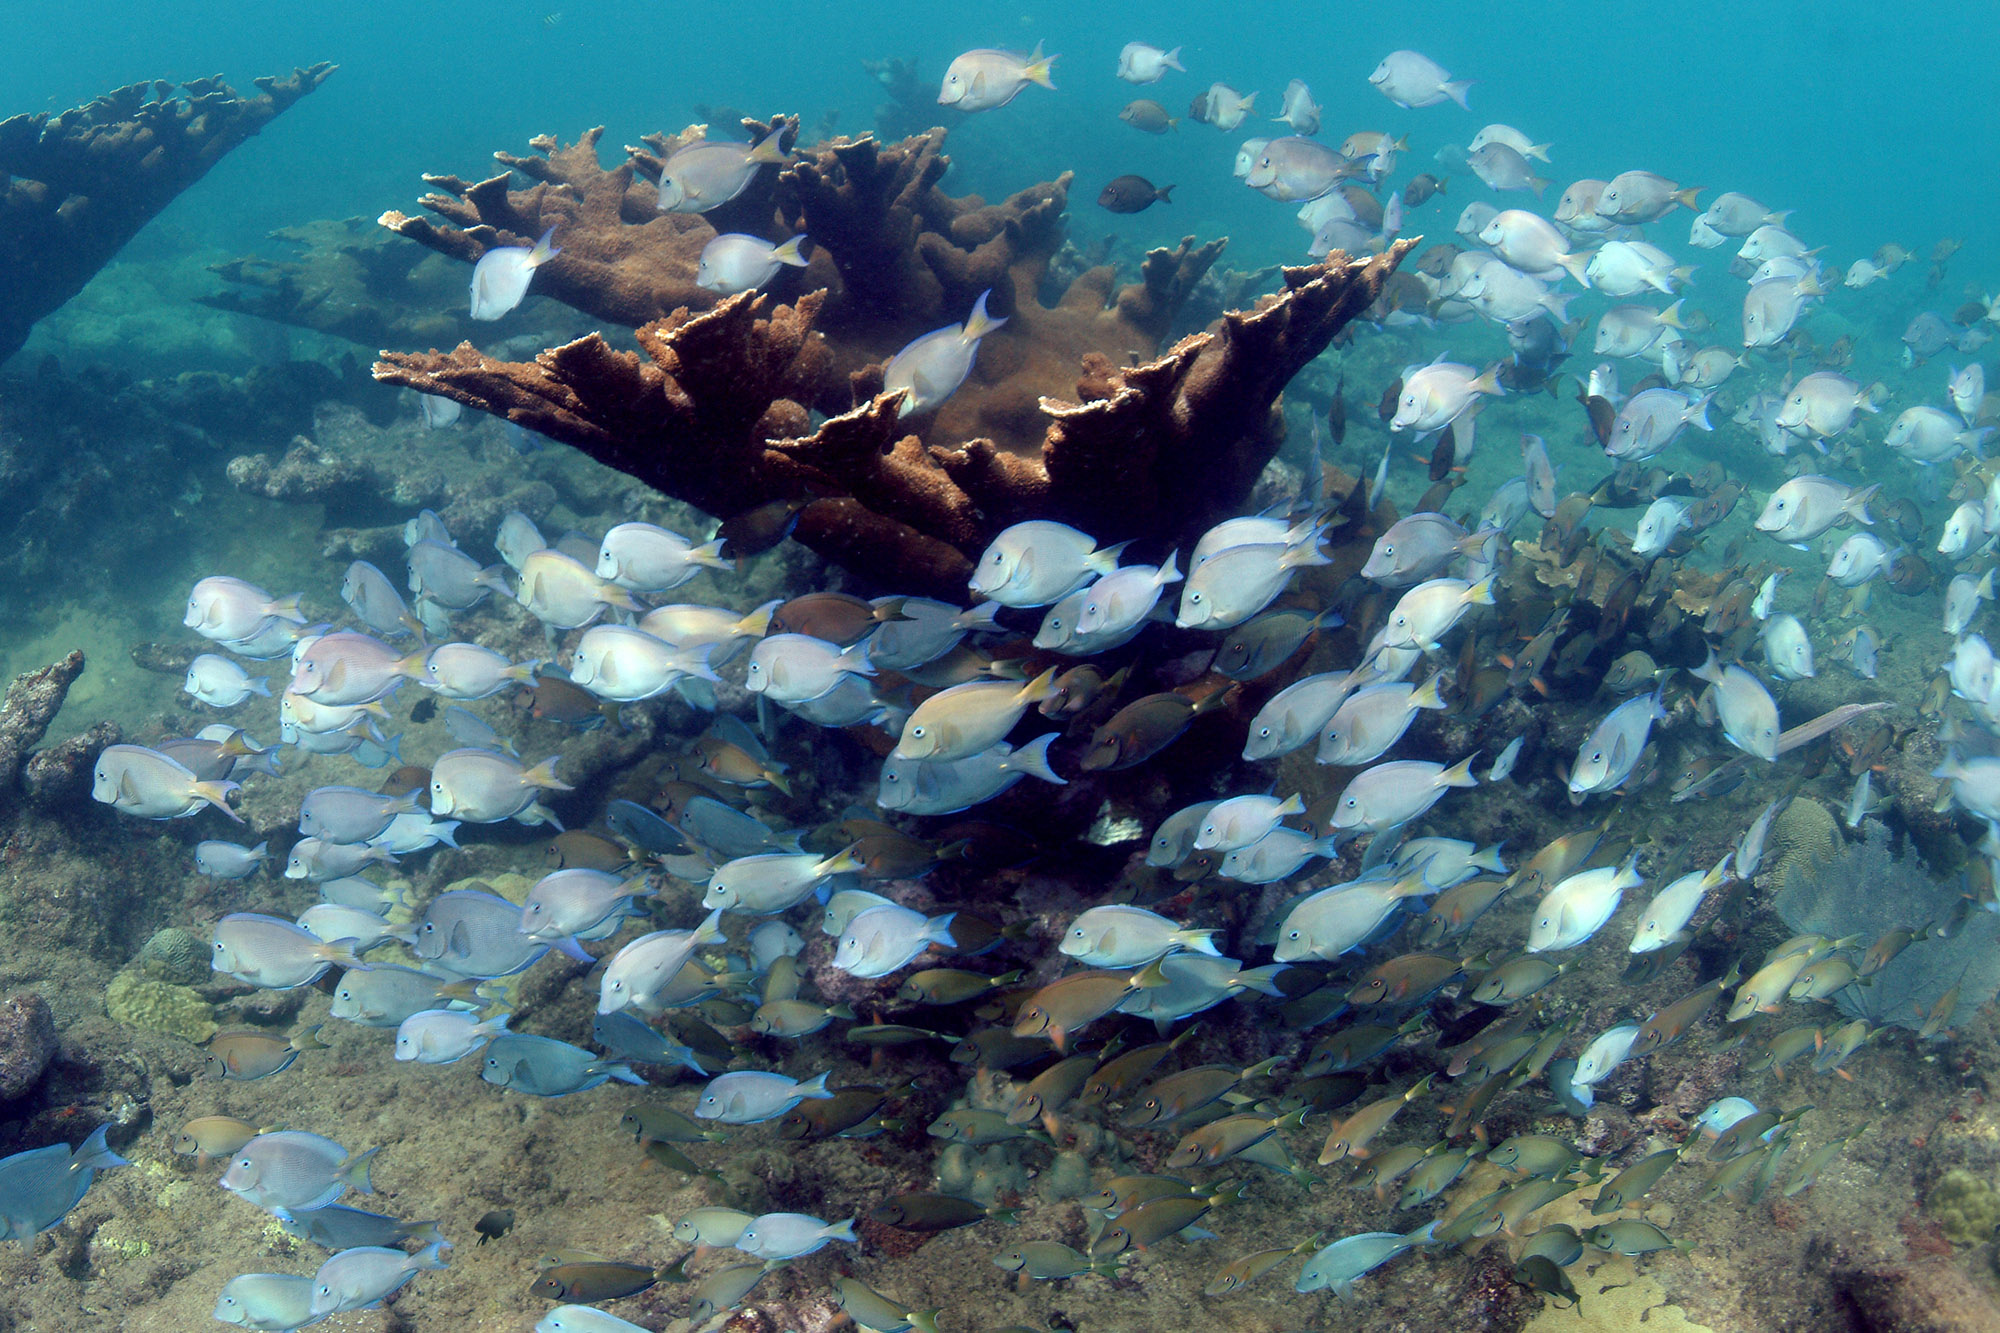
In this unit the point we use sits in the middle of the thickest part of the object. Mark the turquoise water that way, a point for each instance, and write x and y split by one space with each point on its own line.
1869 129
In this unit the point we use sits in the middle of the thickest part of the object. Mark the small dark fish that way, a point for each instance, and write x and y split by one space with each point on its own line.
553 699
1391 398
1078 688
1336 412
1144 113
1133 194
494 1225
1420 189
1910 574
755 531
1443 453
1603 416
1541 1274
408 778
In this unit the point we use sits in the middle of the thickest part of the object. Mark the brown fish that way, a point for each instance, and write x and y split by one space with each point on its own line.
1420 189
580 849
588 1281
1603 416
553 699
1143 113
1079 687
1336 412
243 1056
755 531
1143 728
1133 194
726 761
836 617
408 778
1391 398
1670 1024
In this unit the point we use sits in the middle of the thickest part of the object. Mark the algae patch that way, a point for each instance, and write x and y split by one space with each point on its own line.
140 1001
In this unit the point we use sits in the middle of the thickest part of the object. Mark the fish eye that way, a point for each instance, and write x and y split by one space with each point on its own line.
1264 732
1296 935
917 732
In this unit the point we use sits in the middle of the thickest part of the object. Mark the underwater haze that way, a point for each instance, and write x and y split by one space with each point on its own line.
1088 670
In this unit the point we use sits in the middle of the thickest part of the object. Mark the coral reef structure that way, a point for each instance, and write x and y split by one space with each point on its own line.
1073 413
84 181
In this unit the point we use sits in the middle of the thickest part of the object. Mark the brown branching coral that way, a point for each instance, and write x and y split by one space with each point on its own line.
714 414
79 184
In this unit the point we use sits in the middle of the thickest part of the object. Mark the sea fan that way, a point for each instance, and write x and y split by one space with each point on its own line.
1866 891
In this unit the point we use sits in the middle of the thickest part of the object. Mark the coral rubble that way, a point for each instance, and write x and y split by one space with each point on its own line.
84 181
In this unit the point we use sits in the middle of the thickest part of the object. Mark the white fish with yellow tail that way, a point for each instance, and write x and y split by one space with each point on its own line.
1787 647
500 279
708 173
564 593
733 262
1140 63
1427 612
1412 79
1674 906
1235 584
1436 395
1039 562
1118 936
1612 749
1746 710
645 966
930 369
771 882
467 671
983 79
221 683
879 940
967 719
149 785
223 609
1392 794
486 786
646 558
1804 507
1577 907
1372 719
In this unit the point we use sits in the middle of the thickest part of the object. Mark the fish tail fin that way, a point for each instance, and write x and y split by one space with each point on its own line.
1040 688
95 1153
432 1255
1539 184
1163 194
1686 198
258 685
623 1073
842 1231
1488 382
1172 60
1857 504
792 252
710 554
1038 67
544 251
1460 773
814 1088
979 323
754 625
523 673
1480 593
1809 286
1263 980
1671 316
1106 558
1575 265
428 1233
1197 941
1294 804
1427 695
217 795
287 608
938 931
710 930
543 776
770 149
1457 89
355 1171
1698 414
1538 151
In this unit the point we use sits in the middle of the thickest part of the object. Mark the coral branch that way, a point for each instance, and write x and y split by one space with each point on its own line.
84 182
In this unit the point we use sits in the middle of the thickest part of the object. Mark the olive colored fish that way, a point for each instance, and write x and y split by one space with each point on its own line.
1350 1137
1220 1140
937 1212
590 1281
1240 1273
1189 1090
1625 1189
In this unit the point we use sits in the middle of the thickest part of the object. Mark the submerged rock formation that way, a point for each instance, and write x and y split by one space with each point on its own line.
84 181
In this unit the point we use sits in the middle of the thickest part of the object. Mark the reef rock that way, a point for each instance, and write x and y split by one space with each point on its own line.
81 183
27 1043
31 703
